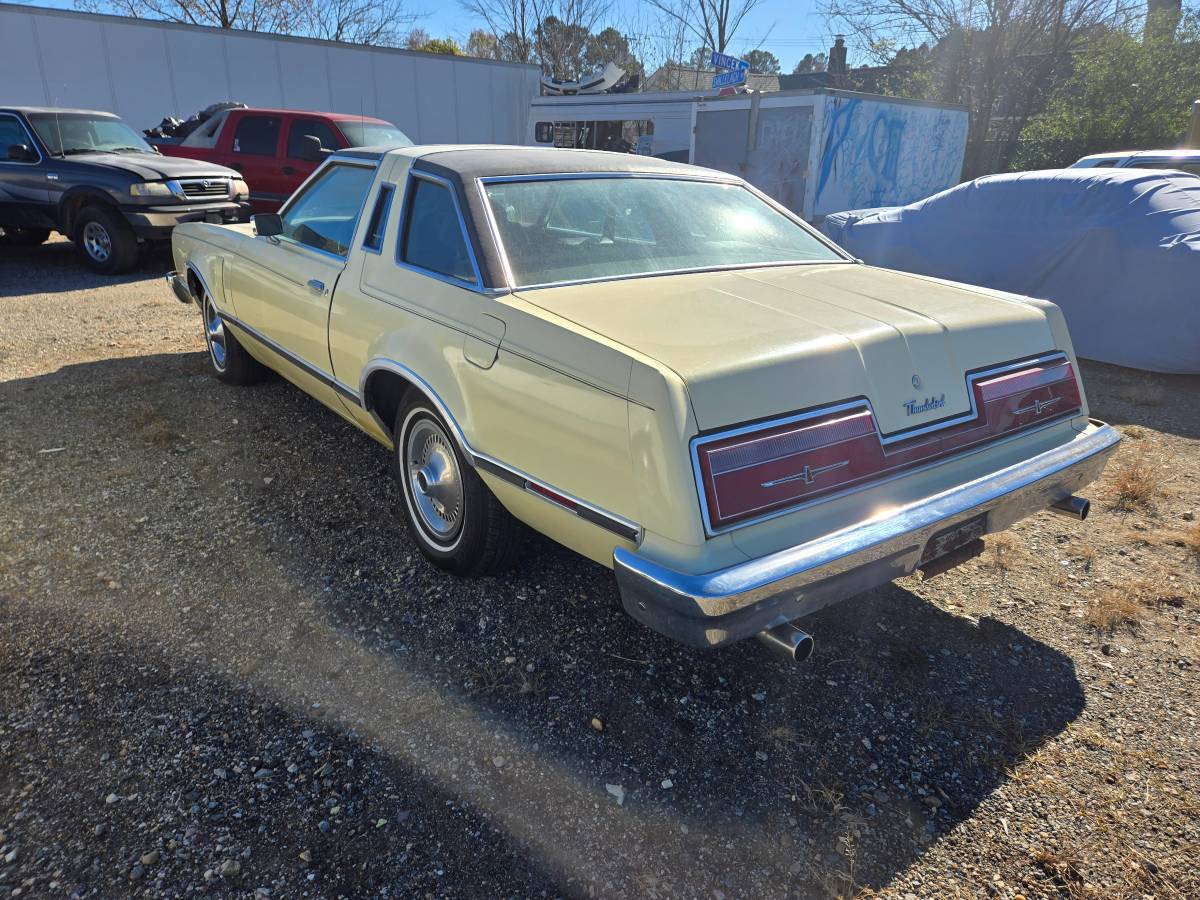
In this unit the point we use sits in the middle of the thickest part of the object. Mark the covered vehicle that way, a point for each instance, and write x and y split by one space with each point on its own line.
1117 249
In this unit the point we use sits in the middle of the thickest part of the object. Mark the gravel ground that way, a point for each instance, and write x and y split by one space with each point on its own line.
226 671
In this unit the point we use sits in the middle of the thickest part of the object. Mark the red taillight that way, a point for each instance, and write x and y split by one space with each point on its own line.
753 473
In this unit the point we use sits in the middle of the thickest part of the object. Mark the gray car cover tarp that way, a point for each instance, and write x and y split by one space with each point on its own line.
1117 249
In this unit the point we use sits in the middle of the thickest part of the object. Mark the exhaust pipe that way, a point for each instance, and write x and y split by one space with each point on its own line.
788 641
1072 507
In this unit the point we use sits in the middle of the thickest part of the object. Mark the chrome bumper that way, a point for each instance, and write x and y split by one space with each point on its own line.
179 285
715 608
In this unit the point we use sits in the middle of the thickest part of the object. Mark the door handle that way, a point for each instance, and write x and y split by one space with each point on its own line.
51 176
288 170
317 287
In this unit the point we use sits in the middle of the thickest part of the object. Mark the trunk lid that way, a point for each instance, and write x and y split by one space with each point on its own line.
756 343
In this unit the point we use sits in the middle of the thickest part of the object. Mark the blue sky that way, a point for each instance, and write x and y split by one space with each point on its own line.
788 28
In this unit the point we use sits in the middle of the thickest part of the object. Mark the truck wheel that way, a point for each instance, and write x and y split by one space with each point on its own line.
229 359
458 523
23 237
105 240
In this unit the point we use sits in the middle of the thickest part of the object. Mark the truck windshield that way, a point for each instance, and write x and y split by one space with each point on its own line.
580 229
67 133
373 134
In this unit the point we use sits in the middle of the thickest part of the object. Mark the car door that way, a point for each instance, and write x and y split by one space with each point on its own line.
254 152
282 286
24 189
294 165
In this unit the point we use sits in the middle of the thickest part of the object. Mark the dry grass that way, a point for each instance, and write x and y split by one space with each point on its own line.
155 428
1111 609
1126 604
1191 537
1136 482
1004 551
1084 552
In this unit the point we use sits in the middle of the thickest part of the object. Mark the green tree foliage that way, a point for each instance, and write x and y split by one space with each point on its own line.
764 62
811 63
610 46
1129 91
440 45
482 44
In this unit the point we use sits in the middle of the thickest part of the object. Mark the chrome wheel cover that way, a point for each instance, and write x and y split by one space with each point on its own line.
434 479
96 242
214 335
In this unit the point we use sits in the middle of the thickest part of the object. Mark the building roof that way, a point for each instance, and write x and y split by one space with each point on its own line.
674 77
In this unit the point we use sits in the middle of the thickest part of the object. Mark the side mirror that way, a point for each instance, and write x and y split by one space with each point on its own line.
267 224
311 149
21 153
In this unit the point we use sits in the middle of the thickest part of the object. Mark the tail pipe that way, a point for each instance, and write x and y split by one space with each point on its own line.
788 641
1072 507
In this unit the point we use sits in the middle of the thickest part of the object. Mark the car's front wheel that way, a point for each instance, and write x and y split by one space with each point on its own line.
229 360
105 241
458 523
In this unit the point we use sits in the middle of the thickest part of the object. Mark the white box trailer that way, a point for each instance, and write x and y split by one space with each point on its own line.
815 151
143 70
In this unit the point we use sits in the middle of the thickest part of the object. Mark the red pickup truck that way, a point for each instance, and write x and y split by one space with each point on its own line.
276 149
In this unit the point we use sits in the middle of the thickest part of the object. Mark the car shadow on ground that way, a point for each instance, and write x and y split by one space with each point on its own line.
54 267
252 541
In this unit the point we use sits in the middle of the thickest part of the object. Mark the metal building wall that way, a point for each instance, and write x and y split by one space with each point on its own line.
143 70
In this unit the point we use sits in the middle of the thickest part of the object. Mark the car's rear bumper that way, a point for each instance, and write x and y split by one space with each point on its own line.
155 223
715 608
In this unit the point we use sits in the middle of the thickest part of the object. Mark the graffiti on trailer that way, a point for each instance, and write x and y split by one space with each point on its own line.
877 154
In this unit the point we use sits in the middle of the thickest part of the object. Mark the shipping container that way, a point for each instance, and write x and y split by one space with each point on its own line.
816 151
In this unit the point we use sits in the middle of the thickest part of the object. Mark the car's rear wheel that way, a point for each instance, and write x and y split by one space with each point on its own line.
23 237
458 523
105 241
229 360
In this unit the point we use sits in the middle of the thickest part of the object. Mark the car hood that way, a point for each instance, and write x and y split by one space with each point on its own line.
153 167
756 343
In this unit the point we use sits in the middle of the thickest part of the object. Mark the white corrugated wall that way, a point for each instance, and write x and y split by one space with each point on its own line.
143 70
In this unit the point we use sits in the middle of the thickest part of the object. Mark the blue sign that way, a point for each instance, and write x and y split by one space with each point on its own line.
723 61
728 79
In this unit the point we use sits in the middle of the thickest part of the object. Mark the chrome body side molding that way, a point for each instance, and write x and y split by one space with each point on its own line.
589 512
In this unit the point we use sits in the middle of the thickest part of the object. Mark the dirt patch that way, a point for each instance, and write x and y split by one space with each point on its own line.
226 671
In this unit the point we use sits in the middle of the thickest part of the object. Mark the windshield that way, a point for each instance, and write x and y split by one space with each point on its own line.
373 134
67 133
574 229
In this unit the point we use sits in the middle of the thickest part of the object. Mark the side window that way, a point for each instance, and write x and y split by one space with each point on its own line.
257 135
12 132
302 128
433 238
325 215
377 225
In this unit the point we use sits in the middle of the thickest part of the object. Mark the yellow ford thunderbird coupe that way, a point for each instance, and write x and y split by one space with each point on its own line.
655 365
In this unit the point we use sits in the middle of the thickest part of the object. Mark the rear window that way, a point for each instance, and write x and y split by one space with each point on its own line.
257 135
575 229
373 134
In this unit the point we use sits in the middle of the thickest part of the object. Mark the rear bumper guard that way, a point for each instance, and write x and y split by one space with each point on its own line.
715 608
